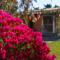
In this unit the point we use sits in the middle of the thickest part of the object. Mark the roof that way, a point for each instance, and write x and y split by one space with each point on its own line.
48 9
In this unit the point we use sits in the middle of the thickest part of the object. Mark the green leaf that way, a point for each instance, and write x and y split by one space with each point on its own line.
1 40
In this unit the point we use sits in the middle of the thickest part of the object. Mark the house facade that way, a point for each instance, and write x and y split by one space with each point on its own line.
48 22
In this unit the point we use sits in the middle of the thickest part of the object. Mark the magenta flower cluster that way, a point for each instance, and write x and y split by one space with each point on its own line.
19 42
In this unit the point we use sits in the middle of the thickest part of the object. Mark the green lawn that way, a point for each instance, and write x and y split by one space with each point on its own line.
55 48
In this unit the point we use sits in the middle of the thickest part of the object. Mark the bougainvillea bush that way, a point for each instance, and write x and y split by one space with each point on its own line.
19 42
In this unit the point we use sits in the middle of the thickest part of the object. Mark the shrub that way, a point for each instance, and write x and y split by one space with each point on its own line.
19 42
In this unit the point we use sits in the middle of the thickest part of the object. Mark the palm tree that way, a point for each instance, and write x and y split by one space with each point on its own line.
23 7
25 4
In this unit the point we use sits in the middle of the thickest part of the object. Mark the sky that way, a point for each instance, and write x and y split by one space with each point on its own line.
41 3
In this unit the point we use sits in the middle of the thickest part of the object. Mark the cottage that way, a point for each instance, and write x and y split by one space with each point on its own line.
49 21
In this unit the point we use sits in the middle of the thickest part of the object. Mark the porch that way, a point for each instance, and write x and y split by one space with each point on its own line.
49 24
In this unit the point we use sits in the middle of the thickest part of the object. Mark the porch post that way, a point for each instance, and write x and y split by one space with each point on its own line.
53 24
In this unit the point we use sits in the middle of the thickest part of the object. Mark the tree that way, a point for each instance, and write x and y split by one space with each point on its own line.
48 6
12 5
9 5
56 6
23 7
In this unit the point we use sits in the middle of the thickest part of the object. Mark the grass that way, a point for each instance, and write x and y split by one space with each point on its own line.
55 48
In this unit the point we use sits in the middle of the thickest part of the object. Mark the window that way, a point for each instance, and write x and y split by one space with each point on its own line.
48 24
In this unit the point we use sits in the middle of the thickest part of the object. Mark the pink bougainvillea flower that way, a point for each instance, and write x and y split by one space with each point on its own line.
19 42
